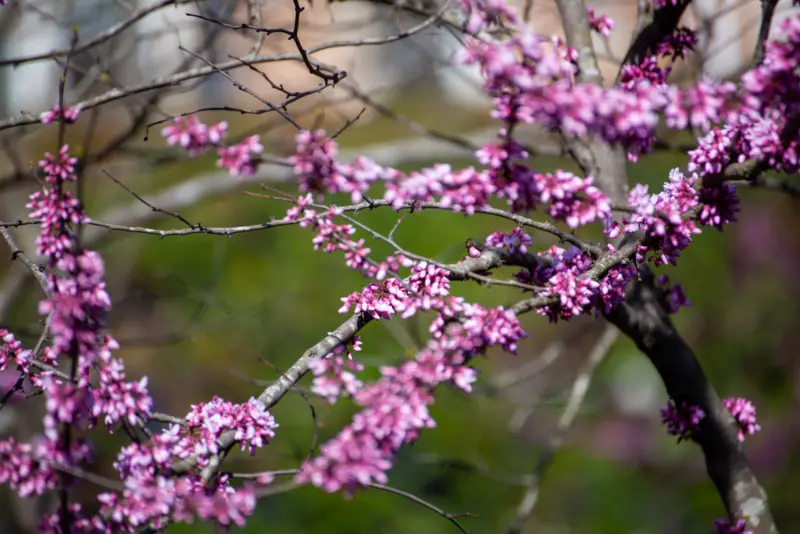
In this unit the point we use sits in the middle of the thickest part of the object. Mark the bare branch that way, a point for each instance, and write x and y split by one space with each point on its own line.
99 38
579 388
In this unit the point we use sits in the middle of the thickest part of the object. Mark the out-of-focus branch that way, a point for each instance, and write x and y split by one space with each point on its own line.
644 319
767 12
579 388
765 182
18 254
99 38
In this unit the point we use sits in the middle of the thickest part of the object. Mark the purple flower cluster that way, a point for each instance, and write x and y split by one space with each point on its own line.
565 278
700 106
679 43
572 199
663 217
331 237
319 173
515 241
380 300
724 527
25 468
674 295
77 304
11 352
744 412
769 104
681 419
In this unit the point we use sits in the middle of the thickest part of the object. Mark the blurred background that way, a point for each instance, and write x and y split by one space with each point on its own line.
208 315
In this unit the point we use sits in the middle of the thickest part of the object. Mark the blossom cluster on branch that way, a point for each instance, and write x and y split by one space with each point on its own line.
96 389
532 79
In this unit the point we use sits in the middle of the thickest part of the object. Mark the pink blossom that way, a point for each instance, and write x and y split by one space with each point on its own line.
601 23
745 414
194 136
242 158
381 300
252 424
56 113
332 374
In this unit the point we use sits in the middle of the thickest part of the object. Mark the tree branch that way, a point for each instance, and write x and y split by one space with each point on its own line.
644 319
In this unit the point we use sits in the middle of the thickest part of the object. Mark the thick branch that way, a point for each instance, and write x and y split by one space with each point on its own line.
658 24
644 319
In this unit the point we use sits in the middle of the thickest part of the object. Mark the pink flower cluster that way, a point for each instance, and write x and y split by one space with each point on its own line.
662 217
331 237
152 495
761 127
601 23
395 408
333 374
319 173
745 414
668 219
486 14
252 424
11 352
194 136
77 305
566 279
56 113
380 300
241 159
25 468
681 419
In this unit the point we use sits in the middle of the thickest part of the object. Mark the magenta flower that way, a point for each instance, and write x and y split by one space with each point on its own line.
682 419
601 23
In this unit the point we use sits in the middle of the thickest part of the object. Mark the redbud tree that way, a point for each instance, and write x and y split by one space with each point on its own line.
615 243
